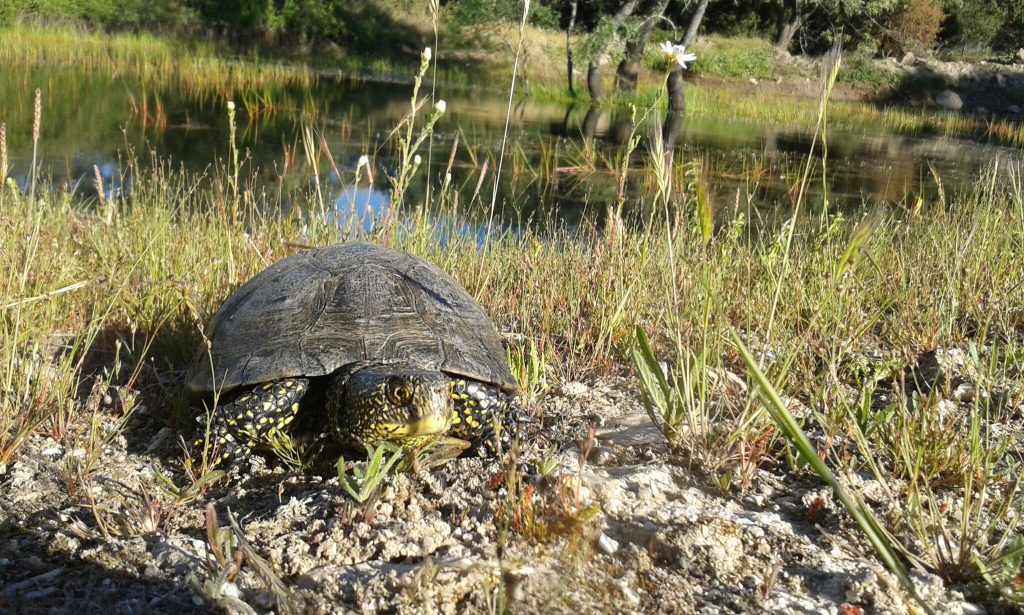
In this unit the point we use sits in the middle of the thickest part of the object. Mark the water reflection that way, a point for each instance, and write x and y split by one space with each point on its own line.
101 121
360 209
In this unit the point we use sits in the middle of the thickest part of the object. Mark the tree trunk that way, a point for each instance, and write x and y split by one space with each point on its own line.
629 68
789 22
676 108
676 91
594 81
593 68
568 47
624 11
698 16
590 121
628 72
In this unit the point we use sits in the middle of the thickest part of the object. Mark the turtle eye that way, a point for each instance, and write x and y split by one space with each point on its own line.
400 393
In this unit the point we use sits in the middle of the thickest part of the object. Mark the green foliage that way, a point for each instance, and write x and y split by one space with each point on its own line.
741 18
980 22
469 13
859 67
366 476
976 23
112 14
545 14
738 57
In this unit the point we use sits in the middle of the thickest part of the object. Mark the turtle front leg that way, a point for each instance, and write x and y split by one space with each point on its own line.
484 416
252 418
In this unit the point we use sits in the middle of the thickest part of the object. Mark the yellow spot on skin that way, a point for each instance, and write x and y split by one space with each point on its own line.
266 387
267 406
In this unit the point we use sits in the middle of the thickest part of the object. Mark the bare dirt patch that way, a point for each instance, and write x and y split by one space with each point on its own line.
622 531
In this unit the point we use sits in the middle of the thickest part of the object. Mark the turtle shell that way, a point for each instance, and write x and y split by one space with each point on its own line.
317 311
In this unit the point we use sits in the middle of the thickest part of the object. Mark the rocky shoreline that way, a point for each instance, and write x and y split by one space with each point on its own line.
982 88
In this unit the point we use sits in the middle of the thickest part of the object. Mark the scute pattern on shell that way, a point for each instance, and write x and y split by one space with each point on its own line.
314 312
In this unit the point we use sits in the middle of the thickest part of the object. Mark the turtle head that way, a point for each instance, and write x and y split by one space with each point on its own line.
395 403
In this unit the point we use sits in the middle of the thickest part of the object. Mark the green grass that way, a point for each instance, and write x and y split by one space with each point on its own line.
736 57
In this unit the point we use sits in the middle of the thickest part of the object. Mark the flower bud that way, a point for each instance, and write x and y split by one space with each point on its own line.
441 106
416 160
427 54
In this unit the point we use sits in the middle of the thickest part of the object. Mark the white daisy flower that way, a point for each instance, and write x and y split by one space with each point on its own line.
676 54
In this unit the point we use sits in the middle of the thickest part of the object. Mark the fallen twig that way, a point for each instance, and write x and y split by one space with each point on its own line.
52 293
39 579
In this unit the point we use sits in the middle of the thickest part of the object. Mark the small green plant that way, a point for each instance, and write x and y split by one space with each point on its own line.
722 437
226 551
184 495
223 564
360 480
529 364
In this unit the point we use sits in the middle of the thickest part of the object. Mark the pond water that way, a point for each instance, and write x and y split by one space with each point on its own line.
95 122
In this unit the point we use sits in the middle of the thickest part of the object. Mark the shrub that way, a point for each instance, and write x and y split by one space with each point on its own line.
976 24
916 27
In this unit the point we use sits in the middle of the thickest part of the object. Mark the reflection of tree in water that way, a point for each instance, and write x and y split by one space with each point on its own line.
91 121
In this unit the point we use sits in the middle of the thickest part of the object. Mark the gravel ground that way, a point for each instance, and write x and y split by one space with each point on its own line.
627 532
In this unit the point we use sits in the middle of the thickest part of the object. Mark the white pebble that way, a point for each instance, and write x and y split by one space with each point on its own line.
607 544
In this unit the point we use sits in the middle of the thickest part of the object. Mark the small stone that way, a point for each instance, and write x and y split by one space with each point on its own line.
627 592
574 389
909 59
964 392
230 590
949 100
1020 56
606 544
946 408
1014 109
969 609
753 81
601 456
755 500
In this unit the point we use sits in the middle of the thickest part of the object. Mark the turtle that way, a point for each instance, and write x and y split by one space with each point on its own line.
369 344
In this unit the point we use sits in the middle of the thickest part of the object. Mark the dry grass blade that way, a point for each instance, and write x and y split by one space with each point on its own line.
283 597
